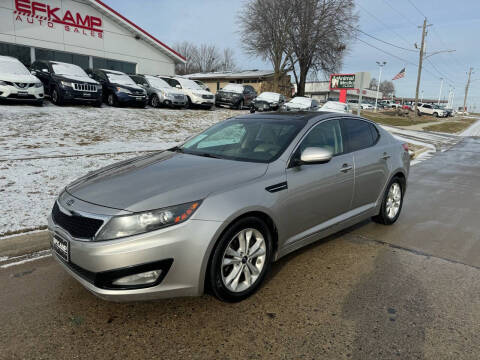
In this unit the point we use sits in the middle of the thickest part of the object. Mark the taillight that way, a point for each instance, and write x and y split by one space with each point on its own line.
405 146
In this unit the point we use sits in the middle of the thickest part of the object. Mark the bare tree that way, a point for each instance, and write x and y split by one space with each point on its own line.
264 32
228 60
203 58
318 36
189 51
387 88
373 84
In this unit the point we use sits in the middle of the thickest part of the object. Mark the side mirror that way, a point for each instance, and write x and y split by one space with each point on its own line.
45 70
33 72
90 76
178 86
315 155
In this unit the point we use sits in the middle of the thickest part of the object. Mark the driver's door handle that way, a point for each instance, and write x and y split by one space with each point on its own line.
385 156
345 168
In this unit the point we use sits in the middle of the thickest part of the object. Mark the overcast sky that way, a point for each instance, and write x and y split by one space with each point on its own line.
455 26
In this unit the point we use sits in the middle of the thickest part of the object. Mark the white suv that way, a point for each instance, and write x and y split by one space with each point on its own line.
17 83
196 95
430 109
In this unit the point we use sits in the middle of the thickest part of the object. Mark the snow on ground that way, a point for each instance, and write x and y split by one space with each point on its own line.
44 149
473 130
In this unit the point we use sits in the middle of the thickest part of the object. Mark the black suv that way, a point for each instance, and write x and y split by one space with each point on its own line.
65 82
235 96
119 88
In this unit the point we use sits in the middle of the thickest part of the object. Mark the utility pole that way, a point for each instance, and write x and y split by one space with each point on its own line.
466 90
420 62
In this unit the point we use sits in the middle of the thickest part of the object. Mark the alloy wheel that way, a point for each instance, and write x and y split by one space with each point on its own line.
243 260
155 101
394 199
55 96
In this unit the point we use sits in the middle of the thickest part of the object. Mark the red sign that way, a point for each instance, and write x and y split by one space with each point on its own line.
342 81
42 13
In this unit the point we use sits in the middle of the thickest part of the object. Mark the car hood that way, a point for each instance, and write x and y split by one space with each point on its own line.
129 86
77 78
161 180
169 91
296 106
28 78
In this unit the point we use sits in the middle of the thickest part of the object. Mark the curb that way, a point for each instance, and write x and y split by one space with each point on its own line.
23 244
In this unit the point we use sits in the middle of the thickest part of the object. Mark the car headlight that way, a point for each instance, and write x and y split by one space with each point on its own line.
134 224
38 85
66 83
121 89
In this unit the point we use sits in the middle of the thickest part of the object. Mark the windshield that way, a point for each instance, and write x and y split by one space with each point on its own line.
68 69
300 101
157 82
269 96
254 140
233 88
189 84
122 79
13 68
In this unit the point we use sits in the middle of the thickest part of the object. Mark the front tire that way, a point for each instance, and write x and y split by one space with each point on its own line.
155 102
435 114
112 100
392 202
240 105
240 260
56 97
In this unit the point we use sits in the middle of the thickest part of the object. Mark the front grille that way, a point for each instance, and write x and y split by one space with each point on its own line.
85 87
207 96
77 226
21 97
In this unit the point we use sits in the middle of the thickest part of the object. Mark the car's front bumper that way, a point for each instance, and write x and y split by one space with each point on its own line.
199 100
187 246
12 93
133 99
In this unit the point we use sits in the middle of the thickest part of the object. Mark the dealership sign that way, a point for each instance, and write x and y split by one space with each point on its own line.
40 13
342 81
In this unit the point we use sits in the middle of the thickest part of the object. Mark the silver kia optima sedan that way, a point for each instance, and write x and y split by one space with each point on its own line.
217 210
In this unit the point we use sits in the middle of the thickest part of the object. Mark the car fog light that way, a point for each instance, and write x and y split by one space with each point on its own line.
144 278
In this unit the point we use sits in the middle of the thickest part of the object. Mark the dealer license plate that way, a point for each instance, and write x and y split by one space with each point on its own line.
61 247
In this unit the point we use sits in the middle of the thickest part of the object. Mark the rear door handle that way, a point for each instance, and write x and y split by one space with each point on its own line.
345 168
385 156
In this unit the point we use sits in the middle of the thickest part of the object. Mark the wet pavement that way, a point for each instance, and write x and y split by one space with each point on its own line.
408 291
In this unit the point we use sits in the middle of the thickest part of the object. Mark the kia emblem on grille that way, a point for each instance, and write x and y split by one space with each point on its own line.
70 202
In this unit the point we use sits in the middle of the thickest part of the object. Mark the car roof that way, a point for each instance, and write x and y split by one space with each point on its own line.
8 58
112 71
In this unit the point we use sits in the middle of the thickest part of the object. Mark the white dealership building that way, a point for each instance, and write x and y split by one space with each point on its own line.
87 33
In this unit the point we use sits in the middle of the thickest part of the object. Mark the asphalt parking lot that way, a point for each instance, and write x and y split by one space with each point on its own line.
409 291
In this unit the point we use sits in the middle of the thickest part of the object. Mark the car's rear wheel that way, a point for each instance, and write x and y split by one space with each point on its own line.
240 260
392 202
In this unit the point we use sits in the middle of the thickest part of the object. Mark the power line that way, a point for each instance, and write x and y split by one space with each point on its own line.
399 13
420 12
385 42
384 25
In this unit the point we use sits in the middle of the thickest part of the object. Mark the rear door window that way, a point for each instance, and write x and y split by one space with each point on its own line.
358 134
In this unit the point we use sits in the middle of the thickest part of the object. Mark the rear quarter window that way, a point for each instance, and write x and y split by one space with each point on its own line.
358 134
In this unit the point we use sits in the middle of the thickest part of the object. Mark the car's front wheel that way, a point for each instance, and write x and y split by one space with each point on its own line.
241 260
112 100
56 97
392 202
155 102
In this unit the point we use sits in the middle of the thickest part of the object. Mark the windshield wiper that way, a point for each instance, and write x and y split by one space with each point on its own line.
204 154
176 149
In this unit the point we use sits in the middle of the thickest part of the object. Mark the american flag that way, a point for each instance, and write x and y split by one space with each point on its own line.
400 75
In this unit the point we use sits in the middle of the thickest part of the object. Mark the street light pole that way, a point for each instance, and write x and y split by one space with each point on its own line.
440 94
380 65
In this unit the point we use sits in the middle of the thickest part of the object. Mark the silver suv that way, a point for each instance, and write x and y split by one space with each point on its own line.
220 208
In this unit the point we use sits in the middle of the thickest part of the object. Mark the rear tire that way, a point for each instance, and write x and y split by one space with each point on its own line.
392 202
238 267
